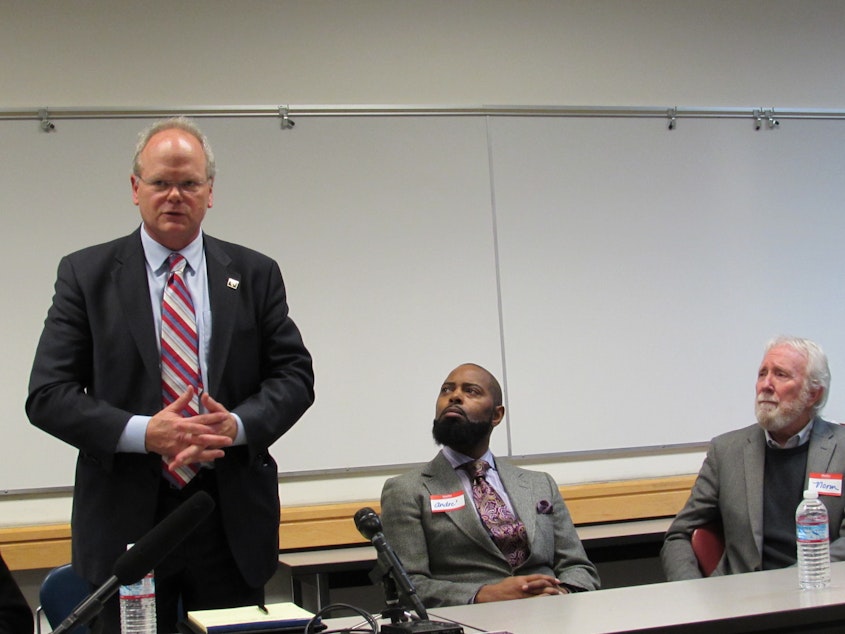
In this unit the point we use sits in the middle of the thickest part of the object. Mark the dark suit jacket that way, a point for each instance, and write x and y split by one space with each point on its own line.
449 556
729 489
97 364
15 613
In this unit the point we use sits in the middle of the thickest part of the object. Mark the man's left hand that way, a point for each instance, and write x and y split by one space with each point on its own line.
205 440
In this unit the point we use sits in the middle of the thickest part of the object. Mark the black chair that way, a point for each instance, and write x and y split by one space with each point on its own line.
61 591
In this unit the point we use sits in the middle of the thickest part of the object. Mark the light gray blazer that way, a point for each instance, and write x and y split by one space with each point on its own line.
449 555
729 488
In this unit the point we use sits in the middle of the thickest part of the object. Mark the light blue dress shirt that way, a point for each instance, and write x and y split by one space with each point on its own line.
456 459
196 277
801 438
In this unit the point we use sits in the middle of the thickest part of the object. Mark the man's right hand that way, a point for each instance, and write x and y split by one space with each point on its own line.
164 437
521 587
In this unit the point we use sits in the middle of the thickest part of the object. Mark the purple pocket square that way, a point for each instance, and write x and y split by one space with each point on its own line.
544 507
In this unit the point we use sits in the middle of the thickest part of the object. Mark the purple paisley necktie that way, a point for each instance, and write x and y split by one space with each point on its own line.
507 531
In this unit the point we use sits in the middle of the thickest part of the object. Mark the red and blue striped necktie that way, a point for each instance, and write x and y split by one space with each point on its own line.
179 353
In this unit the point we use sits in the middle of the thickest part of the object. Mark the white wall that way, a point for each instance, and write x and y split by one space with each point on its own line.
756 53
553 52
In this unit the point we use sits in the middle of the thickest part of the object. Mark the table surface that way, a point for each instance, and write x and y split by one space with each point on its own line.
735 603
752 602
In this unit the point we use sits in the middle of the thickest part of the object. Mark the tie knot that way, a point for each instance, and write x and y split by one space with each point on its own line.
477 468
176 262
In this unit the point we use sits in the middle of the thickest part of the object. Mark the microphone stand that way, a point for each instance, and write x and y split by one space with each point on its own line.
401 621
89 610
396 581
393 609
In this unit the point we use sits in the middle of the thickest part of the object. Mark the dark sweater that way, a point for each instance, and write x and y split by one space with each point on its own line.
782 492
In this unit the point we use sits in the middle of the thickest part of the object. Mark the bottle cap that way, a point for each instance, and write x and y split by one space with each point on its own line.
811 494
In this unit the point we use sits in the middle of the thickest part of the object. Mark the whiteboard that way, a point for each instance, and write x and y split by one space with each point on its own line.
643 270
620 278
382 228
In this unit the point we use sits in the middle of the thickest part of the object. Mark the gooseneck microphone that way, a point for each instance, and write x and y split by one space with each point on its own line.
146 554
369 525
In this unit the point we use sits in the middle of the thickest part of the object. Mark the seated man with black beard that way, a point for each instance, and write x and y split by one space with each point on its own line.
470 528
753 478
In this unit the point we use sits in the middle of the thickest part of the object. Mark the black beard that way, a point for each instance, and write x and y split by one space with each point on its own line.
461 435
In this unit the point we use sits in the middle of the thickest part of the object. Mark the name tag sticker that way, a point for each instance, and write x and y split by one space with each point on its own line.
448 502
826 483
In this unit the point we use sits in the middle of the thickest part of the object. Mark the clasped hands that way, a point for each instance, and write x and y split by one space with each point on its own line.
199 438
520 587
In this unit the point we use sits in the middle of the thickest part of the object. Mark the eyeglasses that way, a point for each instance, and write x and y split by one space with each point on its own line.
184 187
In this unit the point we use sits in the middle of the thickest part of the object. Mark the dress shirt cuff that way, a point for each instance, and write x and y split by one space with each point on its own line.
133 438
240 437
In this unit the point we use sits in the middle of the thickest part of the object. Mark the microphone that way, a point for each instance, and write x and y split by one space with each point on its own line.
152 548
146 554
369 525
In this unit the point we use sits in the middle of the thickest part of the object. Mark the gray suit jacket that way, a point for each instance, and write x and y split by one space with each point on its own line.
729 489
449 556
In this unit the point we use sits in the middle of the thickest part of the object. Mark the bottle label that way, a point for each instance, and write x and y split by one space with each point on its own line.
811 532
143 589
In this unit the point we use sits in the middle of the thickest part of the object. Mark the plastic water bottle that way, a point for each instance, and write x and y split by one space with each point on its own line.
138 607
811 531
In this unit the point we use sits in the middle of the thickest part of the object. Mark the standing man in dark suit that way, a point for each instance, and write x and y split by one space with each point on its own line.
753 478
455 556
97 384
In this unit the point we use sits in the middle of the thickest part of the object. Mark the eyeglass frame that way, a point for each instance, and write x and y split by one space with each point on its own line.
184 187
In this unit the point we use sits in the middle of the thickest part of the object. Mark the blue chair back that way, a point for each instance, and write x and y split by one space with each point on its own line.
61 591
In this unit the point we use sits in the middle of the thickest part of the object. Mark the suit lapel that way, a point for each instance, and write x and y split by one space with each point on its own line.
223 294
821 450
754 458
521 496
130 279
439 478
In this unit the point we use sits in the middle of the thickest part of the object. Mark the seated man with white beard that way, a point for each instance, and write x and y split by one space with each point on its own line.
753 479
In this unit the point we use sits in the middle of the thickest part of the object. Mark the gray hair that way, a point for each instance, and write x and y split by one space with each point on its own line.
818 371
179 123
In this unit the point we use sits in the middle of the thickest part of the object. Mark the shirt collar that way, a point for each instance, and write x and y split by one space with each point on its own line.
156 254
801 438
457 459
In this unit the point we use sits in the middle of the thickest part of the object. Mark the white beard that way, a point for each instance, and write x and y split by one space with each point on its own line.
776 418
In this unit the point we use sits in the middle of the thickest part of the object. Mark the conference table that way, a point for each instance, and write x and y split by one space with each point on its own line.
768 601
314 566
